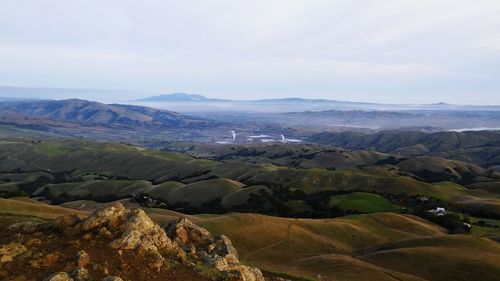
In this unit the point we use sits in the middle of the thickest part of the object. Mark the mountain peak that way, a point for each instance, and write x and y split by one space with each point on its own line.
176 97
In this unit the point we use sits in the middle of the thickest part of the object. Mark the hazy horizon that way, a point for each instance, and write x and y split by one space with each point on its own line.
412 52
126 96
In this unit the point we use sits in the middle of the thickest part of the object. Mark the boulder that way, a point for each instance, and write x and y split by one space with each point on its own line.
59 276
224 248
183 231
243 273
217 262
111 217
82 259
66 221
250 273
51 259
130 240
218 253
80 274
139 231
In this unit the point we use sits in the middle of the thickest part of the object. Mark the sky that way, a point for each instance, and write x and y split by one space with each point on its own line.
412 51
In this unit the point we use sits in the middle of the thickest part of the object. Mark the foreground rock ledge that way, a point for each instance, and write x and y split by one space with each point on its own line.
124 241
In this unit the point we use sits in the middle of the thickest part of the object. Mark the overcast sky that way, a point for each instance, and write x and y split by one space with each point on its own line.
412 51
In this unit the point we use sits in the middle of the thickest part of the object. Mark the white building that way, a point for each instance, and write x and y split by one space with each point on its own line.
439 211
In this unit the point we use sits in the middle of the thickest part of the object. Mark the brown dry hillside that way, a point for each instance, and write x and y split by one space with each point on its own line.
278 244
450 257
342 267
379 246
35 209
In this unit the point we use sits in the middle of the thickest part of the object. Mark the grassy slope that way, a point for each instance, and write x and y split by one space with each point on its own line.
342 267
475 205
385 246
28 208
95 188
451 257
486 230
274 243
363 202
203 191
107 158
491 187
138 164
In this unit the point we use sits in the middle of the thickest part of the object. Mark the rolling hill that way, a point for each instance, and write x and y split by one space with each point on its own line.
67 170
475 257
345 215
94 113
476 147
391 141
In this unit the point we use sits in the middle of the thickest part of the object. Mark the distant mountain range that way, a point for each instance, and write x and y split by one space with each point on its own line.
183 97
201 103
197 102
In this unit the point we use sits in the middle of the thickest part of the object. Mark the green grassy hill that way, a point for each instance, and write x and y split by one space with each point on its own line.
433 169
475 147
111 159
364 203
102 190
64 170
196 194
290 155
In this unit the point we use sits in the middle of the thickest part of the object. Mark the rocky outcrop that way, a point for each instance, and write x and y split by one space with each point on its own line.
115 240
217 252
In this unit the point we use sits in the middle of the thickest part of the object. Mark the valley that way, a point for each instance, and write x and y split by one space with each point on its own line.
298 200
249 140
290 209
